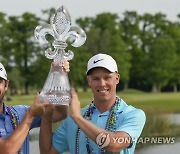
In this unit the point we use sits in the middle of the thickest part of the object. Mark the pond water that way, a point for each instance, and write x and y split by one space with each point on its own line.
160 149
174 118
154 149
34 144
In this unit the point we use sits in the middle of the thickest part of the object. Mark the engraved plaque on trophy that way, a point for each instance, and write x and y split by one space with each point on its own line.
56 89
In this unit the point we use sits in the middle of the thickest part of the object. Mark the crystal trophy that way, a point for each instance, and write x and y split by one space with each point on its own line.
56 89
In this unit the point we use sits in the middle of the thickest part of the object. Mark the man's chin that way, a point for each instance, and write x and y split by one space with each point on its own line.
103 98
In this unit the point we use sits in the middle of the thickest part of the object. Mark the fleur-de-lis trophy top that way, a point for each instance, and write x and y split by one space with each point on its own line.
56 89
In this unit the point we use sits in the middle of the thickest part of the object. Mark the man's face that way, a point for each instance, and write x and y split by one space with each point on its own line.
3 88
103 84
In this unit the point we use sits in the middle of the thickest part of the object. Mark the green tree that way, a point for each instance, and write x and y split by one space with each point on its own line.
4 40
154 29
77 74
174 32
16 80
160 62
123 58
23 51
131 34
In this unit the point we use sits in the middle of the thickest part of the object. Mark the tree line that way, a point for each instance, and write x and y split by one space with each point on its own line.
146 48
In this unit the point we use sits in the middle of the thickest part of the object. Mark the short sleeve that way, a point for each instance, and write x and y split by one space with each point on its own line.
36 122
133 122
21 110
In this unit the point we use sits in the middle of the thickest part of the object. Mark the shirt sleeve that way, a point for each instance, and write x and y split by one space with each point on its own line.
21 110
133 123
59 139
36 122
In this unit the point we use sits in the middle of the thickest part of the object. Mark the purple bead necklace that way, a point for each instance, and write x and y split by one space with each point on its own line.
14 121
110 123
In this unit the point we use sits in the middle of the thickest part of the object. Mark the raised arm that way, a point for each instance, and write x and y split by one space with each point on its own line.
45 140
13 143
93 131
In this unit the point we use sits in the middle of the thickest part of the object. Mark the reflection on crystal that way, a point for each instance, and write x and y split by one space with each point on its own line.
56 89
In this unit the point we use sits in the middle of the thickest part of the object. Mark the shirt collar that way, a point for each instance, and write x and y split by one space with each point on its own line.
5 111
120 108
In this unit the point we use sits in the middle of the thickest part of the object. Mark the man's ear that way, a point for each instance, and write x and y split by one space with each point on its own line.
118 78
88 80
6 84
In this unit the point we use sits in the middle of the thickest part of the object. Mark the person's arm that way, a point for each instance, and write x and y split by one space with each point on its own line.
45 139
93 131
13 143
59 113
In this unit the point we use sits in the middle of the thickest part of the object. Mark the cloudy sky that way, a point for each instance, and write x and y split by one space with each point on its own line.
82 8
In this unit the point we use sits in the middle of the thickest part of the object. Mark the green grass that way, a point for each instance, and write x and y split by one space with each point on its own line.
155 102
21 99
152 103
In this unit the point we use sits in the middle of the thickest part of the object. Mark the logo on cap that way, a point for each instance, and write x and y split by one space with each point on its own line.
95 61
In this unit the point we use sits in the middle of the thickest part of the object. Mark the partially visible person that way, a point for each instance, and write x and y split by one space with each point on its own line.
16 121
106 125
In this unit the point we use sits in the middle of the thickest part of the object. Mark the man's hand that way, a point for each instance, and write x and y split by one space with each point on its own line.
37 108
49 110
74 107
64 64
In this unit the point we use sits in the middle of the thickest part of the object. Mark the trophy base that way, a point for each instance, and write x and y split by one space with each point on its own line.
55 100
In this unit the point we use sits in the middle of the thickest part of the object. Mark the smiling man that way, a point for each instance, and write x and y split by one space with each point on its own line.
16 121
106 125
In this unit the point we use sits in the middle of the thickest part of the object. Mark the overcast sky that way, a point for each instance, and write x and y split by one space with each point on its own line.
82 8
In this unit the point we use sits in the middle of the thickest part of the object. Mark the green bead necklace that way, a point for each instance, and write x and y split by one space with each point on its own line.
110 123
